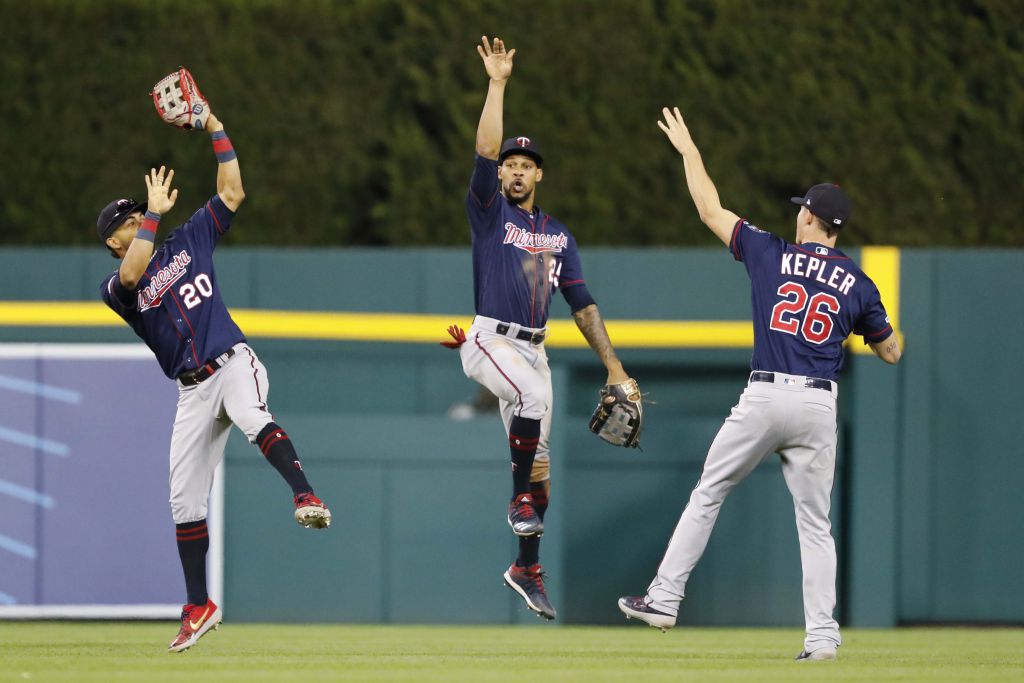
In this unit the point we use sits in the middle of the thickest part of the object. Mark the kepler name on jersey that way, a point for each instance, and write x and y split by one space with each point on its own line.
812 267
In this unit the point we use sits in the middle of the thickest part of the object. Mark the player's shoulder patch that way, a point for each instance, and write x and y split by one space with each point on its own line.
753 228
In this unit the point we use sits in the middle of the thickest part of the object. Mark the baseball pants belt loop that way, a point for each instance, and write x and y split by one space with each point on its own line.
526 335
205 371
809 382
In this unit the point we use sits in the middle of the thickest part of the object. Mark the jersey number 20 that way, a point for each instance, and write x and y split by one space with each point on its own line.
192 292
817 324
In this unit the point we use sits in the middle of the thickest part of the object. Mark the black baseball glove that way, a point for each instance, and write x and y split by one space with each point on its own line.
619 416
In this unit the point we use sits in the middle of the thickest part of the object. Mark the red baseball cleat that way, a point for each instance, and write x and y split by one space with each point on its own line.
311 512
196 620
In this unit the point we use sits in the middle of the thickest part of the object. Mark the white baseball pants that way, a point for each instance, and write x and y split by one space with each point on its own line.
517 372
799 424
234 394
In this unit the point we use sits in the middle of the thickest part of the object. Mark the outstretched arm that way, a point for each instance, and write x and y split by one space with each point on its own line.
498 65
588 319
229 174
160 200
705 196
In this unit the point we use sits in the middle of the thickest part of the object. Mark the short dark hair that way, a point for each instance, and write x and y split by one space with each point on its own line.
826 227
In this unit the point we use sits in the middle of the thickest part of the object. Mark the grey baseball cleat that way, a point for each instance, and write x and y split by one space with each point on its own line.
639 607
529 583
823 654
523 518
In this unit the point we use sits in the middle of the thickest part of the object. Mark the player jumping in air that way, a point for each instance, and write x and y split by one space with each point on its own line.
169 296
521 256
808 297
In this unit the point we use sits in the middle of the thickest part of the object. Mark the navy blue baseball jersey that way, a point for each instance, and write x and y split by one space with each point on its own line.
519 258
807 299
177 308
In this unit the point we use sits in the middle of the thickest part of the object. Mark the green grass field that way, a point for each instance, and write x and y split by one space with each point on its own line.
61 651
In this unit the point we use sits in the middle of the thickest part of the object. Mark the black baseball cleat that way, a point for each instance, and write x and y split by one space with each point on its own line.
523 518
639 607
823 654
529 583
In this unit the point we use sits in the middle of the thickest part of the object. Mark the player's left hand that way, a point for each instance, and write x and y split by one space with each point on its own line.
619 416
161 197
676 130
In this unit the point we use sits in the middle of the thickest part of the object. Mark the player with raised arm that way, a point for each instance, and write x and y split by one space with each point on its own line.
170 298
521 256
807 298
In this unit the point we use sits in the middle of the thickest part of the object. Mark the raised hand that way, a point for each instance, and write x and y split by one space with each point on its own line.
158 187
677 132
497 62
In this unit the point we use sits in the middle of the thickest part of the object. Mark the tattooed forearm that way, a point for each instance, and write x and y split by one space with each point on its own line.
588 319
892 346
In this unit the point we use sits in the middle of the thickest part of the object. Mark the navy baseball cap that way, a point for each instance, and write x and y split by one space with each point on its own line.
115 213
827 201
521 145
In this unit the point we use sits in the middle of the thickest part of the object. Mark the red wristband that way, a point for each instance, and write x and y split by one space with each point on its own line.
147 231
222 146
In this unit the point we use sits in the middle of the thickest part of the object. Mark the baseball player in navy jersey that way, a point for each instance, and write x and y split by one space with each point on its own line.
807 298
169 296
521 256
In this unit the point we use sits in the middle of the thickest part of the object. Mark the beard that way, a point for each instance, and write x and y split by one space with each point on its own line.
516 200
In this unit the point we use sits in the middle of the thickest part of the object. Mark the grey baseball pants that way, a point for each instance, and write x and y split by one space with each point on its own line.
798 423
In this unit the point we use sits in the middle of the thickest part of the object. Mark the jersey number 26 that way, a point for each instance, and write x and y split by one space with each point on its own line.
817 324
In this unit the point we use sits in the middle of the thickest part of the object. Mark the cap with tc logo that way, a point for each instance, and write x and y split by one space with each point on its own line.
828 202
521 145
114 214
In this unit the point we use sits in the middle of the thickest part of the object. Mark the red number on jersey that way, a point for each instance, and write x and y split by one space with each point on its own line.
817 325
789 307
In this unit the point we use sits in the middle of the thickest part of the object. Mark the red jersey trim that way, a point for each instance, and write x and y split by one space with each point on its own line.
734 243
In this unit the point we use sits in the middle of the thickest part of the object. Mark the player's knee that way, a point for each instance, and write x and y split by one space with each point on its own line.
533 405
184 510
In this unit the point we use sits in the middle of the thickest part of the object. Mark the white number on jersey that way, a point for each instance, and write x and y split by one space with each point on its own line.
817 324
554 272
191 292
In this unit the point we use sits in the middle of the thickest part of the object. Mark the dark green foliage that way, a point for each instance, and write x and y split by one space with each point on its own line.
354 122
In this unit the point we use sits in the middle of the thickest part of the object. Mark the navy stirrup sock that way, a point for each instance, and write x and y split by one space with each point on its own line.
529 547
277 448
523 437
193 542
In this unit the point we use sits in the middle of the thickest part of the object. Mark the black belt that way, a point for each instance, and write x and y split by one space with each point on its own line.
810 383
201 374
532 337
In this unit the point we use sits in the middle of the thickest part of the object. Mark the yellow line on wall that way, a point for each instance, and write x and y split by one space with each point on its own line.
394 327
882 265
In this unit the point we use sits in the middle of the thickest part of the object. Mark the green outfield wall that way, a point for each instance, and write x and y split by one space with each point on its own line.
926 513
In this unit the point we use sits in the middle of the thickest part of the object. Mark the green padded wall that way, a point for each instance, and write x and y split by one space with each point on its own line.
925 507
